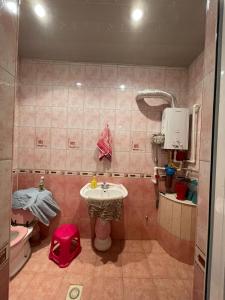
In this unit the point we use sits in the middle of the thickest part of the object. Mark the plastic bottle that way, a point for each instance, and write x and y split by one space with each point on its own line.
93 182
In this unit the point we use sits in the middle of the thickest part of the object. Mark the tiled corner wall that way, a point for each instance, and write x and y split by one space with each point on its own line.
8 56
58 123
195 96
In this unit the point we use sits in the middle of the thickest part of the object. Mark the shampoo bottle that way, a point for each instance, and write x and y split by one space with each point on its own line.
93 182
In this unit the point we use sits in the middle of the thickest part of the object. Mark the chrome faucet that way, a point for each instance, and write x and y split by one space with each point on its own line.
104 185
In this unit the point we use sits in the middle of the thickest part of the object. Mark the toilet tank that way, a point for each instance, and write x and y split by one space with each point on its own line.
21 216
175 128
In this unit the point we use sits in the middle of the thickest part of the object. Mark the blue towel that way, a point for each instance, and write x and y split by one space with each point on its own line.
40 203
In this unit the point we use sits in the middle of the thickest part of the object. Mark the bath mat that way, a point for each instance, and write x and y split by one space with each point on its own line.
74 292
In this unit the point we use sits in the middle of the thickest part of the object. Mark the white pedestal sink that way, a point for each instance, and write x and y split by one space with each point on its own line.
111 194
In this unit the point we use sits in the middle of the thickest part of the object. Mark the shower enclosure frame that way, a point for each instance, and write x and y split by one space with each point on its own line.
215 267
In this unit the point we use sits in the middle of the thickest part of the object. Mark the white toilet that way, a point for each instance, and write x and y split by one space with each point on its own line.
20 249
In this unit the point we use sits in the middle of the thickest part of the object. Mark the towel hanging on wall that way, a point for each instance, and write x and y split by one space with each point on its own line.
104 144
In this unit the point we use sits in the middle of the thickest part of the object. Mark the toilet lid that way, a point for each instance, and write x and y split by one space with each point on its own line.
18 232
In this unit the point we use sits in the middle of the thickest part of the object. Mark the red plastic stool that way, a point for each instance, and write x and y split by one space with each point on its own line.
65 245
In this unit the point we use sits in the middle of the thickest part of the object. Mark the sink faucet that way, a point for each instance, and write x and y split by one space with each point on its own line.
104 185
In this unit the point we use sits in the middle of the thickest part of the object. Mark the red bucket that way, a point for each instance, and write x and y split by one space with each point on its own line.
181 190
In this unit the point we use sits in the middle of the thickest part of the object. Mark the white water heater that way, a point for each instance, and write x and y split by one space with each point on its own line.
175 128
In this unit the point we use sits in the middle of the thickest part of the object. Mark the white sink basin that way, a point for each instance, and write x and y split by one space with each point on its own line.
113 192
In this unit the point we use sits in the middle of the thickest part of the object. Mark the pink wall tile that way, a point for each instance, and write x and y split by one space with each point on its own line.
154 121
44 95
137 162
75 117
73 160
108 98
45 72
89 160
121 161
125 99
121 140
43 116
210 37
93 75
60 73
27 72
90 138
109 76
14 182
123 120
141 77
76 73
42 137
25 158
59 138
107 116
15 157
8 38
91 119
206 117
6 114
74 138
5 198
125 76
58 159
138 141
59 96
16 114
149 162
42 159
59 117
27 94
76 97
92 98
203 206
27 116
172 81
138 121
157 77
26 137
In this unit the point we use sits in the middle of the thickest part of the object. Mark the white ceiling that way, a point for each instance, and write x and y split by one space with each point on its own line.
171 32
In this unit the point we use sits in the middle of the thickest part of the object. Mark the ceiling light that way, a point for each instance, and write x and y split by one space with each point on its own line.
137 14
79 84
39 10
12 6
222 72
122 87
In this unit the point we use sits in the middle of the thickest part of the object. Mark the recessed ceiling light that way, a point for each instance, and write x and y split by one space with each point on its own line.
137 14
12 6
40 11
79 84
122 87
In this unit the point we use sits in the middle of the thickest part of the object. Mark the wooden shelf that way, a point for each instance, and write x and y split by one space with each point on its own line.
177 217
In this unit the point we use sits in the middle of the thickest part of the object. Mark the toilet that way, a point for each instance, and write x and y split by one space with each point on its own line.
20 249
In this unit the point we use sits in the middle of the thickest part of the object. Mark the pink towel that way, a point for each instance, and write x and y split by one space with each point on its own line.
104 144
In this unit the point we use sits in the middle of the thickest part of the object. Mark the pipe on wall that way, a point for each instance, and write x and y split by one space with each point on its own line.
195 110
153 93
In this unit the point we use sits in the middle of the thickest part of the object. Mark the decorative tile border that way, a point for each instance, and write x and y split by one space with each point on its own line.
89 174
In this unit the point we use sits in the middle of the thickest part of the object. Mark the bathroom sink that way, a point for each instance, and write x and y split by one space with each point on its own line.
112 192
